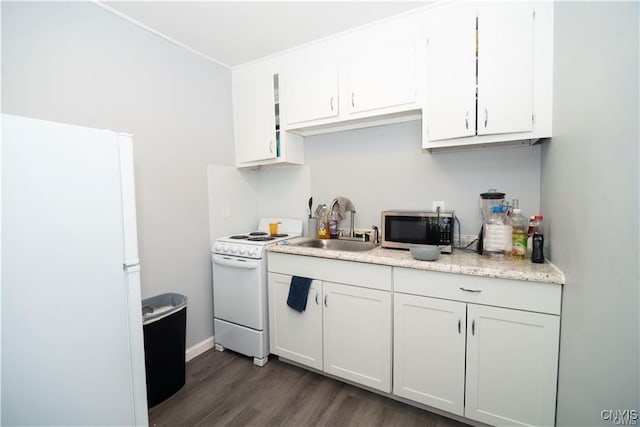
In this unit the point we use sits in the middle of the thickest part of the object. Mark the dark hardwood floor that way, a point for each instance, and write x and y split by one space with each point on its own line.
228 389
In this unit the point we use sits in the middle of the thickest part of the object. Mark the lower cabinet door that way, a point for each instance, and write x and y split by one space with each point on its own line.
429 351
293 335
512 366
357 335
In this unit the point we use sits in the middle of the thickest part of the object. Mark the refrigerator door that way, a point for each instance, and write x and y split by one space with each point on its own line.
66 342
127 184
136 335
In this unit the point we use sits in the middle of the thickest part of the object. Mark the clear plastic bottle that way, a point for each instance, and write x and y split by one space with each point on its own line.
323 222
497 234
520 225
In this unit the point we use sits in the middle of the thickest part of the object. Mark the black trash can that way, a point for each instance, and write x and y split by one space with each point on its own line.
164 319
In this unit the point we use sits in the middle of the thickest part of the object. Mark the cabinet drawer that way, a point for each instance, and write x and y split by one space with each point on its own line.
331 270
531 296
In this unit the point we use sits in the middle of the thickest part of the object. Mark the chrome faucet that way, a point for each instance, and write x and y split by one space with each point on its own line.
352 232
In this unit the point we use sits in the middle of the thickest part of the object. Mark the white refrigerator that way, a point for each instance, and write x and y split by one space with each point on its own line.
72 338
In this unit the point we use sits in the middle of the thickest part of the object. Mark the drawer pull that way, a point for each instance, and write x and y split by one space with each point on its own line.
471 290
325 301
459 326
473 327
317 303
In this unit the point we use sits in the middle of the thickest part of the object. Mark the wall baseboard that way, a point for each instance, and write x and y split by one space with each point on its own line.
196 350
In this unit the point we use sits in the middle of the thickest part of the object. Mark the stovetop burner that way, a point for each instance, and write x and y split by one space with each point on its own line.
258 233
261 238
279 235
239 237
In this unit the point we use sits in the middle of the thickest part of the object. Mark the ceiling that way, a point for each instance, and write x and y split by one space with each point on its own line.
235 32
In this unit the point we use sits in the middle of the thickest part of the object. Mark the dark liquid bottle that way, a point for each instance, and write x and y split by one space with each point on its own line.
537 255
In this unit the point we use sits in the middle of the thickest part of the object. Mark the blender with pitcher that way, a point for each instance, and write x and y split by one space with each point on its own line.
487 201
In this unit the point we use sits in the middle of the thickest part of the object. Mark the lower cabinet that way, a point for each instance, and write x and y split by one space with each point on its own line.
512 366
429 351
481 348
345 330
494 365
293 335
357 334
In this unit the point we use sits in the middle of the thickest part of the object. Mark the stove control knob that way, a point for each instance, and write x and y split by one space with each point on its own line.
242 251
225 248
234 249
217 247
254 251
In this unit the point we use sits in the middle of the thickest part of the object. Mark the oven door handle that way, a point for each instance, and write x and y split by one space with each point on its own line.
235 262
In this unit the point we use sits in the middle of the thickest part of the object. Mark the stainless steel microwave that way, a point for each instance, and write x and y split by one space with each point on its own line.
402 229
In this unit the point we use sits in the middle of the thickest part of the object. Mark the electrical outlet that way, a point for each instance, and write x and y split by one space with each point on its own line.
436 205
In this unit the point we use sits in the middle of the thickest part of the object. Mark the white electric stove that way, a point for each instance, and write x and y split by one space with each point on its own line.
240 312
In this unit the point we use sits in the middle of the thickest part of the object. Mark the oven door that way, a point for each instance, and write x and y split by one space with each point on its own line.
240 290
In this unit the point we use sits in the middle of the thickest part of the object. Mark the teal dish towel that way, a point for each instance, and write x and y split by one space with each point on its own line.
298 293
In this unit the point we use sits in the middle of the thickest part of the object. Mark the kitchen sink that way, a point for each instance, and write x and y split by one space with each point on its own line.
337 245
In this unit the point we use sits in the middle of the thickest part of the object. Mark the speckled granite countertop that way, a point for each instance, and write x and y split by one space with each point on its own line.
459 262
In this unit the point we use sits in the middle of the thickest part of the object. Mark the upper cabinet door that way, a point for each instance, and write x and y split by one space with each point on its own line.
451 73
310 88
381 74
254 114
505 67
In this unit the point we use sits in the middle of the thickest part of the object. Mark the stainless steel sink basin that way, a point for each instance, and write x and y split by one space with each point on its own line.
338 245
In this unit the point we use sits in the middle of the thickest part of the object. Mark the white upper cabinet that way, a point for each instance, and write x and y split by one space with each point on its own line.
256 114
310 87
488 73
505 67
380 74
451 76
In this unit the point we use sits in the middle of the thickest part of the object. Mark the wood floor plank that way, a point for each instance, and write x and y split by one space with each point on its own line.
227 389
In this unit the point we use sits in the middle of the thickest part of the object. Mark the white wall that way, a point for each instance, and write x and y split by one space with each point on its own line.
384 168
590 193
76 63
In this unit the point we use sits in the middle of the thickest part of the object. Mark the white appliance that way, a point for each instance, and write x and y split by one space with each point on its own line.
241 317
72 338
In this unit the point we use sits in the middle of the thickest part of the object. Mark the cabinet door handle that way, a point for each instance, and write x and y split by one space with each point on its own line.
459 326
332 103
473 327
325 301
471 290
271 146
317 303
353 104
486 117
466 120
